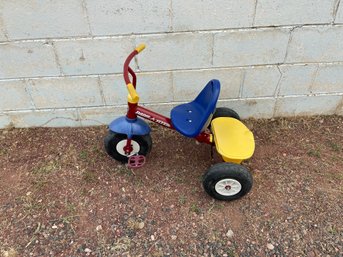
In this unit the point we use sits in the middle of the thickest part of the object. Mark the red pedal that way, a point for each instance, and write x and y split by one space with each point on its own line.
136 161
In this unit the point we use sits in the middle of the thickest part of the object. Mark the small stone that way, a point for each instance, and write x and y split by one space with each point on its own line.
229 233
87 250
98 228
10 253
270 246
54 226
28 193
152 238
173 237
141 225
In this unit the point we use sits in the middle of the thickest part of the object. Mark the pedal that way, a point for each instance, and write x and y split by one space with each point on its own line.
136 161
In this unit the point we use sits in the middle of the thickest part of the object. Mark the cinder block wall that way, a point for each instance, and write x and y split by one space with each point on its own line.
61 61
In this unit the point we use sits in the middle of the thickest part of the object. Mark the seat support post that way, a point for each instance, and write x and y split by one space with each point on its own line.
204 137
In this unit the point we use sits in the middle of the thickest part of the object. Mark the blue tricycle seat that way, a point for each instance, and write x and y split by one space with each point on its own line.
191 118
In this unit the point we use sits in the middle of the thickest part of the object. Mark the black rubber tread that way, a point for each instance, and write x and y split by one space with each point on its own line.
112 139
225 112
227 170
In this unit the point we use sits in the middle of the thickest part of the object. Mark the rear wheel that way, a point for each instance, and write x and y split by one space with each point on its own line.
227 181
115 142
225 112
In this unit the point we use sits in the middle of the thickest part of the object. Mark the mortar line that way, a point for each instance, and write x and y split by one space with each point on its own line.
85 10
335 10
165 103
78 115
339 107
278 85
276 108
188 32
101 91
173 84
314 78
241 87
57 59
255 11
276 94
289 42
94 75
171 16
28 90
212 48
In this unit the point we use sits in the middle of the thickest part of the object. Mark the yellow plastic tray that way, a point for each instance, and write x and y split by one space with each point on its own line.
233 140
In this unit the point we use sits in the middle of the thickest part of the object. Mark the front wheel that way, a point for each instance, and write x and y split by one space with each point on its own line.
227 181
115 142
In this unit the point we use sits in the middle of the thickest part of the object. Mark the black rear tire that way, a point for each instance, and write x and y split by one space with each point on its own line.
225 112
143 144
227 181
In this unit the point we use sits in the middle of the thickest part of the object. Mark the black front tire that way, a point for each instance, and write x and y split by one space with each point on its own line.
113 139
236 177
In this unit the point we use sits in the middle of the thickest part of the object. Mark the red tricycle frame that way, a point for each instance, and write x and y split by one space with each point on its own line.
135 110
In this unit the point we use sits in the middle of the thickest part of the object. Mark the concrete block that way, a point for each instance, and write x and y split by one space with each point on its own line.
296 79
175 51
329 79
163 109
45 118
100 115
188 84
202 15
260 81
14 95
339 15
44 19
316 44
93 56
3 36
339 110
109 17
5 121
251 108
151 87
66 92
250 47
307 105
280 12
28 59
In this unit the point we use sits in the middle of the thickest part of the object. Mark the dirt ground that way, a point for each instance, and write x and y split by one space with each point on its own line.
61 195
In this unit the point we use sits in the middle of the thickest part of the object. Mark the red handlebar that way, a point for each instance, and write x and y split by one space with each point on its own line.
131 87
128 70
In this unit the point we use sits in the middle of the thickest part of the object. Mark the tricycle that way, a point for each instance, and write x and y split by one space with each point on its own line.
129 141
